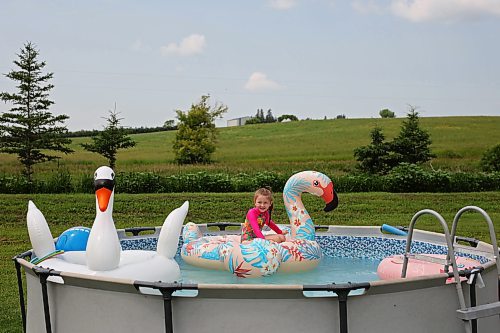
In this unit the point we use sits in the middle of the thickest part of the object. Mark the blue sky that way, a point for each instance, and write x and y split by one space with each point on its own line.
309 58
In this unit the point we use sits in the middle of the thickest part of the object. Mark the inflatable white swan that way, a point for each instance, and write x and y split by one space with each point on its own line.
104 256
261 257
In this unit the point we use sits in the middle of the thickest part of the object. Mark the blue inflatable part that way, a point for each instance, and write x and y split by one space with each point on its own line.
393 230
73 239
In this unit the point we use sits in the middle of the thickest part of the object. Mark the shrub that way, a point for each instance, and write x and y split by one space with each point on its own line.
404 178
14 184
138 182
85 184
60 182
491 159
359 183
407 178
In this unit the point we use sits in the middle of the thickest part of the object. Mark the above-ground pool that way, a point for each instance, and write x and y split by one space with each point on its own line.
343 294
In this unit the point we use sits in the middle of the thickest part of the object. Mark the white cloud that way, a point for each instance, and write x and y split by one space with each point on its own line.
444 10
190 45
282 4
260 81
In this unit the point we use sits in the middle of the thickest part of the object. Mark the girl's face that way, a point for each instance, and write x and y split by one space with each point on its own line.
262 203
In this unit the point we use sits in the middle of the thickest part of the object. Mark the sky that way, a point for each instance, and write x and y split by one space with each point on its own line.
309 58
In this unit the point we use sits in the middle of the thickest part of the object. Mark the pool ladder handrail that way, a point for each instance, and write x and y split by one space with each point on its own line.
451 260
491 229
471 314
490 309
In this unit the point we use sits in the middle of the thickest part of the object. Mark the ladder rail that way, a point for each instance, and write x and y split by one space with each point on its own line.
491 228
451 253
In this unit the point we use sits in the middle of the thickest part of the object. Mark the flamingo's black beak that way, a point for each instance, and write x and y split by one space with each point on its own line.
332 204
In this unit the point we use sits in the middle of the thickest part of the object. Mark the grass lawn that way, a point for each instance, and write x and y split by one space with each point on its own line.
69 210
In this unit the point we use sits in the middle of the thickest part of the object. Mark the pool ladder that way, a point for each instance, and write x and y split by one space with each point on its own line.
468 314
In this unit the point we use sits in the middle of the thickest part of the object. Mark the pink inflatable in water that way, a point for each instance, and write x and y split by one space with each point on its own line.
423 264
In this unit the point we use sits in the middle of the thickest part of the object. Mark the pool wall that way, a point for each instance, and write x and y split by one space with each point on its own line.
424 304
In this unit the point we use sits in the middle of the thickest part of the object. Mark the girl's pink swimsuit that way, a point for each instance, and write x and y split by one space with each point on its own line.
254 222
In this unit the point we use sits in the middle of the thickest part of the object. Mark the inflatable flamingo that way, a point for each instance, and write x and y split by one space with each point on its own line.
261 257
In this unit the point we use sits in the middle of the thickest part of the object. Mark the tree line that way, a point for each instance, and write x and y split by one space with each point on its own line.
126 130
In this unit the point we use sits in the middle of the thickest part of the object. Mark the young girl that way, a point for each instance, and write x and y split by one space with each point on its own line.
260 215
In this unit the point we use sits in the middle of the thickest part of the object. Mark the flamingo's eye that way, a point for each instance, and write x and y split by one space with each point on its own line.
315 183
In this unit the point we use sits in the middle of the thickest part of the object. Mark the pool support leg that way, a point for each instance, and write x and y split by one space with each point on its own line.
342 295
473 301
167 308
43 275
342 291
21 292
166 289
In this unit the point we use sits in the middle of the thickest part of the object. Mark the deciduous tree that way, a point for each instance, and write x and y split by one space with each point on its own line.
290 117
386 113
196 135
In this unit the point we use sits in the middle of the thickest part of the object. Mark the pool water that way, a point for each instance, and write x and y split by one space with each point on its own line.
345 259
330 270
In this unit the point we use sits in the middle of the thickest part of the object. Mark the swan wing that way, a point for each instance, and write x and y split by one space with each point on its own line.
168 240
39 232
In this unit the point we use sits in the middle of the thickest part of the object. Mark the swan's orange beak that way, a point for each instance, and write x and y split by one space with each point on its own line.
103 194
103 190
330 197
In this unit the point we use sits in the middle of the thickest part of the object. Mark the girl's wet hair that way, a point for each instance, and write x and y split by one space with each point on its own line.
267 192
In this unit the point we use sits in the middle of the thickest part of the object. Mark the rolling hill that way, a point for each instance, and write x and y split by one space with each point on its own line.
327 145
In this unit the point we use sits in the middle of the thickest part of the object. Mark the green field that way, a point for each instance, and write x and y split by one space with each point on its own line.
323 145
69 210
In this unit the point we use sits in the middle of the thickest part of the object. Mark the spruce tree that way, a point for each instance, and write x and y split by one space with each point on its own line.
270 117
110 140
28 129
377 156
412 145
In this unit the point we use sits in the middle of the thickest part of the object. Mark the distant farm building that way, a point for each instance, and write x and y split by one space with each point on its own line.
237 121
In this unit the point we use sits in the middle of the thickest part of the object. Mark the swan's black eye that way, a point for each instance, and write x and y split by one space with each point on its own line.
315 183
95 175
112 175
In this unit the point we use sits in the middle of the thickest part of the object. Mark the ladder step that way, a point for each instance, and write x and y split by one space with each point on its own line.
428 258
480 311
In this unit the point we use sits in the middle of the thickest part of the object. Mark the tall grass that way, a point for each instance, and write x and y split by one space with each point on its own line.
324 145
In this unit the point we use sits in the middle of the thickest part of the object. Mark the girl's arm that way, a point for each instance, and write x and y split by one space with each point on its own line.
275 227
252 218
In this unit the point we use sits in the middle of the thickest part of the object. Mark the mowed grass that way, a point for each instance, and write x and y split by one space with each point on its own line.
323 145
358 209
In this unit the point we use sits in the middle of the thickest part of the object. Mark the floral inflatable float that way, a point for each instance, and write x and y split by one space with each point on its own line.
261 257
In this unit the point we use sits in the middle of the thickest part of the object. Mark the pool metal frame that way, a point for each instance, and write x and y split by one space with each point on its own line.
469 315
